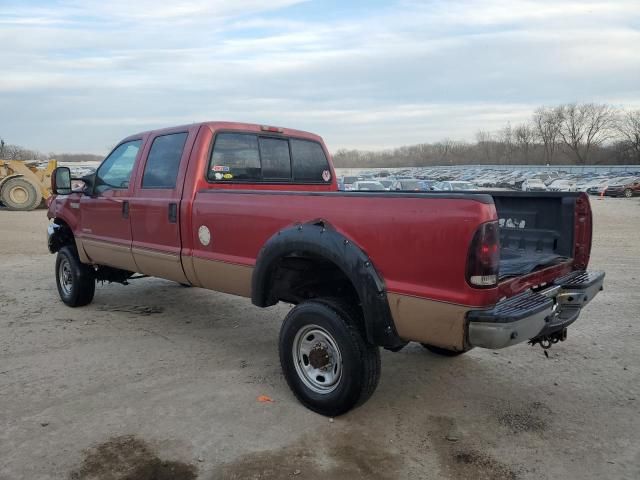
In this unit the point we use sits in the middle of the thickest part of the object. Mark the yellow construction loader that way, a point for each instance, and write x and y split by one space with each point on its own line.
23 185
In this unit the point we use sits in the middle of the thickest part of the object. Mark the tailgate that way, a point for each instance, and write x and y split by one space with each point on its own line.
542 237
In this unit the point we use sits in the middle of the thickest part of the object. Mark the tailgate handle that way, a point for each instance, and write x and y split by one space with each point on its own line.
173 213
125 209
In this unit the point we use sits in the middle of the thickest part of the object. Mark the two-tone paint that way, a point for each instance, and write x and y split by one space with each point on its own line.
416 243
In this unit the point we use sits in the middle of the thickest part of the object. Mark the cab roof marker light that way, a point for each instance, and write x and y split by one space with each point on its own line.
267 128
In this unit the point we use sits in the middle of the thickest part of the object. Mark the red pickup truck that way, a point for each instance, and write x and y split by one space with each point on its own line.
255 211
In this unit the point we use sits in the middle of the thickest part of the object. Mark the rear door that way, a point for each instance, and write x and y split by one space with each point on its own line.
155 207
105 232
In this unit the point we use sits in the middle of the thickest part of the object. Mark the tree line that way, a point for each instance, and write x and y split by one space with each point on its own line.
572 133
16 152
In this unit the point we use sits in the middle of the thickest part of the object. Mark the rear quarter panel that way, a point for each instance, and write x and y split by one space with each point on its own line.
418 243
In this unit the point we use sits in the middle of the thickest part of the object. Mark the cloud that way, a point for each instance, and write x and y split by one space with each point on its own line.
84 73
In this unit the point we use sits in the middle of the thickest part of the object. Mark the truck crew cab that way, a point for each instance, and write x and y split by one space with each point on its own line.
255 211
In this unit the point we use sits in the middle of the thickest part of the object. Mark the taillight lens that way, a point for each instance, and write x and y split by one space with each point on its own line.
484 256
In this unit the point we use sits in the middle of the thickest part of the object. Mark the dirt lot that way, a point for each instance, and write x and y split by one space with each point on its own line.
157 381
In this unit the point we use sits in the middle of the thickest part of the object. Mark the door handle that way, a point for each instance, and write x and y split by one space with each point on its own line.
125 209
173 213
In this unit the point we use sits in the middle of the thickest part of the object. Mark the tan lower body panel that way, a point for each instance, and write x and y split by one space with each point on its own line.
428 321
223 277
81 253
159 264
111 254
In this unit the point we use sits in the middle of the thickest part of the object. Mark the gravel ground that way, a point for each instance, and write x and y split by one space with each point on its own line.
157 381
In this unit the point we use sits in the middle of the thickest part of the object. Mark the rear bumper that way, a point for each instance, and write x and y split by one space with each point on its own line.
533 314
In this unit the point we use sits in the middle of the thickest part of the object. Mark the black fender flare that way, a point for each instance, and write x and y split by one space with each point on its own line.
319 239
59 234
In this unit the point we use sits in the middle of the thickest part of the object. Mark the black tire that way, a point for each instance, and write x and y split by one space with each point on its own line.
360 365
445 352
628 193
20 194
75 281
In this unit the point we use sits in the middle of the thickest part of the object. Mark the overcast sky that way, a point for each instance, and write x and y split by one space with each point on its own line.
78 75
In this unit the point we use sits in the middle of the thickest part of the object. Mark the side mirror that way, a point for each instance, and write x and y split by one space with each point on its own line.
61 181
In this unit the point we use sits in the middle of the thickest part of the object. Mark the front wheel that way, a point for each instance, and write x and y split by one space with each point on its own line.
325 358
628 193
75 281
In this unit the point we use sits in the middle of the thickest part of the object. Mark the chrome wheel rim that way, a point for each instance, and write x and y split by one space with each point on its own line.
317 359
627 193
65 277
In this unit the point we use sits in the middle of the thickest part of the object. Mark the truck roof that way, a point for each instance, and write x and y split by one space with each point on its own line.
223 125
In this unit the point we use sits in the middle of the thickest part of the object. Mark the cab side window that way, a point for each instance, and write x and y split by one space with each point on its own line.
115 171
163 163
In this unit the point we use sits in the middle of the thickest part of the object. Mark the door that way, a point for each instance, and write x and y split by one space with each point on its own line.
105 228
155 207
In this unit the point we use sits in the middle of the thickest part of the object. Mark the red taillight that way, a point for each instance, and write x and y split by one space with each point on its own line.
484 256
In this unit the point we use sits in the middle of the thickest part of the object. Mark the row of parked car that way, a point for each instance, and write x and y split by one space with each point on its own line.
488 178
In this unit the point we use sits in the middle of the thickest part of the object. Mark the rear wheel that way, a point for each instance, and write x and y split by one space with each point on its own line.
20 194
628 193
75 281
445 352
325 358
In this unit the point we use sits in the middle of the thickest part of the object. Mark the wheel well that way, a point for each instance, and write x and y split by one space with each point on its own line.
302 276
313 260
62 236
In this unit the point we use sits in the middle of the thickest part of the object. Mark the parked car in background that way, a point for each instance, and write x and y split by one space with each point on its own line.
625 187
600 188
454 185
426 185
386 182
368 185
533 185
406 184
561 185
586 184
348 182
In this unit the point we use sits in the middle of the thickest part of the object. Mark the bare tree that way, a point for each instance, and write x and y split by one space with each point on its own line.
443 149
506 143
629 128
546 123
525 136
485 141
584 126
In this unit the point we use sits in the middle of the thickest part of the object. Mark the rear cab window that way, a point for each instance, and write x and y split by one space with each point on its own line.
250 157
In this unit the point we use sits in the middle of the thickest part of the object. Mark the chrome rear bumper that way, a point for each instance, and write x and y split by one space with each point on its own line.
534 314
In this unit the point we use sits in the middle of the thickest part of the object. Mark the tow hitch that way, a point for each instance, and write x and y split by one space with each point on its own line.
546 341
